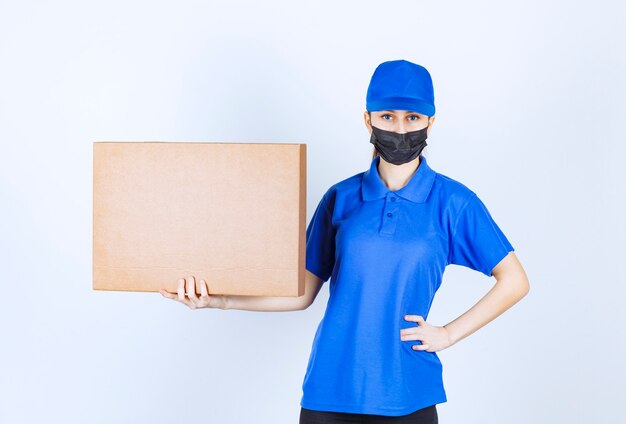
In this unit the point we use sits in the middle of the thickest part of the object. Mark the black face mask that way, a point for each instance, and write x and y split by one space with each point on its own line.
398 148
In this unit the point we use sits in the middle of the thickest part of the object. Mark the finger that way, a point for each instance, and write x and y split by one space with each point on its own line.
410 330
167 294
204 290
181 294
411 336
415 318
191 290
181 290
420 347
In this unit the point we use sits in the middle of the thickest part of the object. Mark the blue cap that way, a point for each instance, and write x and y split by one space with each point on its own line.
401 85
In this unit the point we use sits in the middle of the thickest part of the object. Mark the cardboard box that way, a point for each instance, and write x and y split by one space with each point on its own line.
232 214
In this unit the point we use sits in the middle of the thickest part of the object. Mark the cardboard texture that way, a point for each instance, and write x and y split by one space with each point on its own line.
232 214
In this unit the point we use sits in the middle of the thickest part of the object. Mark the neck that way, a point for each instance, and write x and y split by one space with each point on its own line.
397 176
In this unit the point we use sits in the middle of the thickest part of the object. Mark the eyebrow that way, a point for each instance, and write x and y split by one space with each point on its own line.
394 112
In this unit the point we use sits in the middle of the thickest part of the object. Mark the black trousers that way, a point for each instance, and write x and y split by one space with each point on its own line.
426 415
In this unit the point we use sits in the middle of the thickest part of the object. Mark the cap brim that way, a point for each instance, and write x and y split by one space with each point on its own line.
401 103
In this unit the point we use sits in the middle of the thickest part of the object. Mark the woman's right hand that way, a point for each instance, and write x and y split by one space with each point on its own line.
187 294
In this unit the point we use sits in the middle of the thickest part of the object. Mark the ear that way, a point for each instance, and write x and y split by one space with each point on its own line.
368 121
431 121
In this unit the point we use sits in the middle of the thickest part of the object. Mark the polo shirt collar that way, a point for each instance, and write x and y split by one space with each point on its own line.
416 190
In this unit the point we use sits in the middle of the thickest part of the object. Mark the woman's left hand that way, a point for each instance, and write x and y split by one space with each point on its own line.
433 338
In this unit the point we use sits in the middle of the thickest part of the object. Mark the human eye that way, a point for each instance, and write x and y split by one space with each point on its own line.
383 116
414 116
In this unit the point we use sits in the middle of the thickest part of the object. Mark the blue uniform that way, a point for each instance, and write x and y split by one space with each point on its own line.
385 253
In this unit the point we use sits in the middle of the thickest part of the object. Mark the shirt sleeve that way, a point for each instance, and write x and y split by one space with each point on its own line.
477 242
320 242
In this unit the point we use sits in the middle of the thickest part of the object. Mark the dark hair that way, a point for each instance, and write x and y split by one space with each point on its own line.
374 153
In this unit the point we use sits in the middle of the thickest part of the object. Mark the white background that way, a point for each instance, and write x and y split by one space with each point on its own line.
530 100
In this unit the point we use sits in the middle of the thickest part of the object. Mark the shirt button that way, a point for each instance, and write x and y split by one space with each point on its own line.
393 199
389 214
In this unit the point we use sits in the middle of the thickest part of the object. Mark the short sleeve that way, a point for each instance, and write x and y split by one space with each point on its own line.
477 242
320 242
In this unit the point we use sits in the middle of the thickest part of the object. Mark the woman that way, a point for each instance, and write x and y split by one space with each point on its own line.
384 237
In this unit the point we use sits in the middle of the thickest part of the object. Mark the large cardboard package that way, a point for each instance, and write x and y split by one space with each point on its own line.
232 214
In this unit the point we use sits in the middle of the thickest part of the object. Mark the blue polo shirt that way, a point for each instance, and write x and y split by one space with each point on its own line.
385 253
